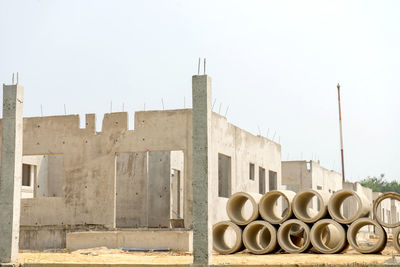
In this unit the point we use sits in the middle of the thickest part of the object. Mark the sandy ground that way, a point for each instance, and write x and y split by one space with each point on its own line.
114 256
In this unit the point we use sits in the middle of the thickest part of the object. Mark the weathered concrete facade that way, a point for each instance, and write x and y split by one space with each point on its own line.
93 173
77 179
299 175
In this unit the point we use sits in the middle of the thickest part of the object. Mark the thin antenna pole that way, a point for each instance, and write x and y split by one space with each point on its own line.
341 133
204 66
17 77
198 67
212 107
13 79
162 102
41 110
226 112
111 107
65 110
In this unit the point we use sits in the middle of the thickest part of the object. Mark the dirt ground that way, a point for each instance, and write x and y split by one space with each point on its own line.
115 256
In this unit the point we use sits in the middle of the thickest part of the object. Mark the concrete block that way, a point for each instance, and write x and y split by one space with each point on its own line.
174 240
10 264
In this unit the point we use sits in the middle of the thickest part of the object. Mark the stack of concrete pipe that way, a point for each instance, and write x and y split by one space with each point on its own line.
255 224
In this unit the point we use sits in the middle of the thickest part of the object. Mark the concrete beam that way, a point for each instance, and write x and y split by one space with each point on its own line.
201 116
11 172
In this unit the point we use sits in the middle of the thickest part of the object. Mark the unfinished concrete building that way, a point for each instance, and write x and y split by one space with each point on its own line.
303 174
126 186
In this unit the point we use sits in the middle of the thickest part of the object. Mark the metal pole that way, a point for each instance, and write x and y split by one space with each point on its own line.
341 133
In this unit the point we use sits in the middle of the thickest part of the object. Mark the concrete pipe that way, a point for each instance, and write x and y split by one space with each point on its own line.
227 237
335 206
376 247
268 203
328 237
396 242
290 243
242 207
259 237
302 201
376 210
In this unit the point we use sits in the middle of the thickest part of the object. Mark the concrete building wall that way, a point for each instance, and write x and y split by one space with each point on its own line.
324 179
243 148
88 179
88 190
158 191
177 185
89 161
299 175
131 183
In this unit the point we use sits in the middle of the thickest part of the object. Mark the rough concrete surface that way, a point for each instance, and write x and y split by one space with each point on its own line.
147 239
201 117
84 178
11 172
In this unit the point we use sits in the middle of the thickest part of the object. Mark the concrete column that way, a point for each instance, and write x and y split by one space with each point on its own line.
11 172
201 120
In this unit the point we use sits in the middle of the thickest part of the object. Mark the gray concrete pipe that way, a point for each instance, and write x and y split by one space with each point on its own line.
396 242
259 237
338 198
290 243
267 206
237 210
328 236
224 243
301 202
378 246
388 195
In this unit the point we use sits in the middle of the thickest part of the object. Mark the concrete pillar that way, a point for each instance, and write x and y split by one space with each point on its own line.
11 172
201 120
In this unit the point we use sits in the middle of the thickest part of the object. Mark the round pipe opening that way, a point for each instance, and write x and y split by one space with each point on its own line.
309 206
328 236
346 206
385 201
358 236
242 208
227 237
271 202
291 243
259 237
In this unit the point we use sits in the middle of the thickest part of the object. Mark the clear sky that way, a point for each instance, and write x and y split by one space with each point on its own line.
274 63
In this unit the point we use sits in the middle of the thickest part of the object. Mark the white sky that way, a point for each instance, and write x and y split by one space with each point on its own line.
275 63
